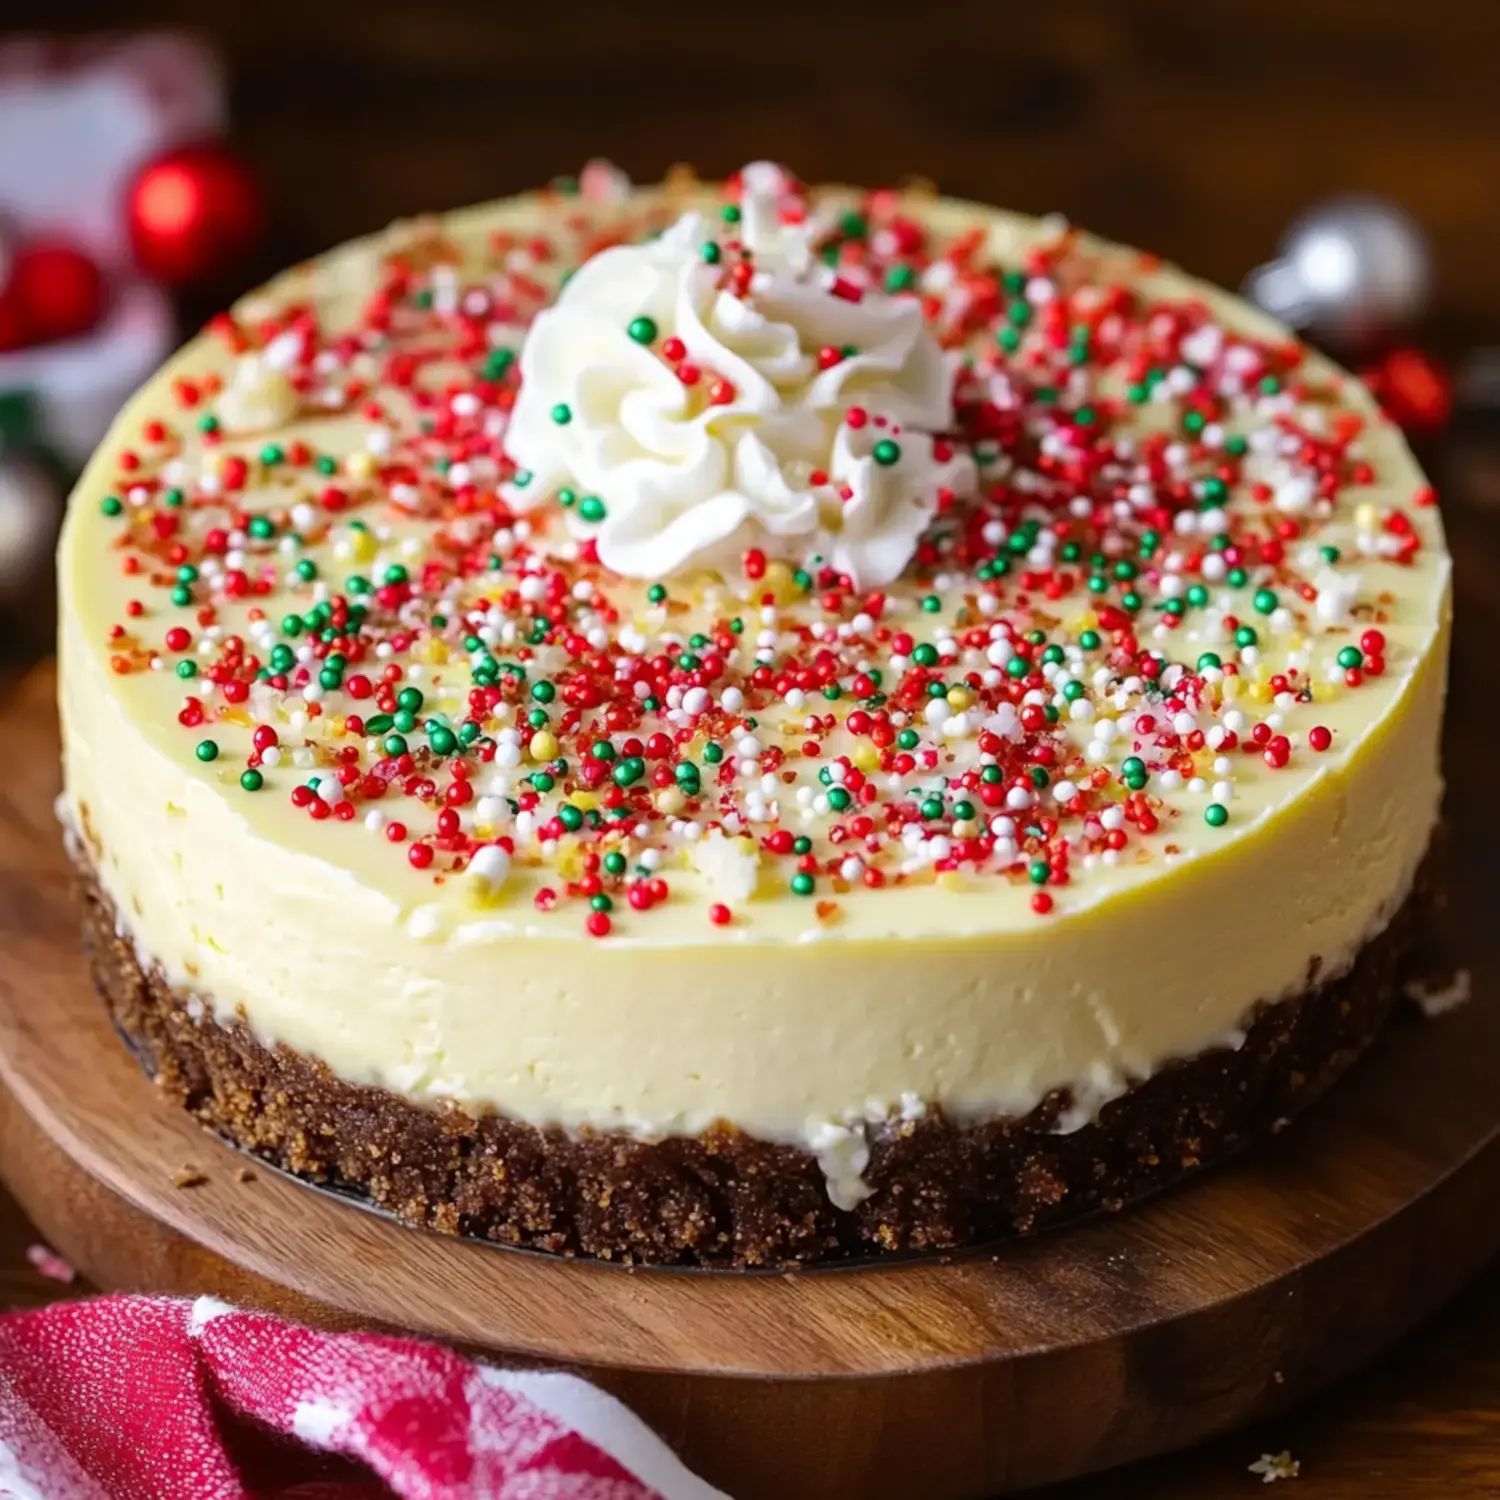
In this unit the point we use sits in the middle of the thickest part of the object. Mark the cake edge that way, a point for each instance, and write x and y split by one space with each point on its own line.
725 1198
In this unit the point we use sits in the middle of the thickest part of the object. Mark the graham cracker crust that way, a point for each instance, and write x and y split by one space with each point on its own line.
724 1198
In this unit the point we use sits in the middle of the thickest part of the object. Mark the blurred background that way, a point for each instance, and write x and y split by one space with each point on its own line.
155 160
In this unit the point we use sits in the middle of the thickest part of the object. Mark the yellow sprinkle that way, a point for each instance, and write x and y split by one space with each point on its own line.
543 745
1260 691
959 698
1367 516
360 465
866 757
362 546
669 800
778 583
584 800
950 880
435 651
965 828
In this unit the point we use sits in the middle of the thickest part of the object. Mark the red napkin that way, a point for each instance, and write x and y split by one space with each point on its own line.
163 1399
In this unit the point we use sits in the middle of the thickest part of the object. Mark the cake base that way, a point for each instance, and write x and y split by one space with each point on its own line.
1059 1355
724 1198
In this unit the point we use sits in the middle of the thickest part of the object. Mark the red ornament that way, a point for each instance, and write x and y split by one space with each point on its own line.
54 291
1414 389
192 214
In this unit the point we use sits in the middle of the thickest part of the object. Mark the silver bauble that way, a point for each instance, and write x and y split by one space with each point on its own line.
1349 272
29 508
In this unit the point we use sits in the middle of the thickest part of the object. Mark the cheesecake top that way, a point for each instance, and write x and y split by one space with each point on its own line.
754 561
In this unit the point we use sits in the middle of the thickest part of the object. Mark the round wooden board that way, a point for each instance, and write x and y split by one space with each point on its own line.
1121 1337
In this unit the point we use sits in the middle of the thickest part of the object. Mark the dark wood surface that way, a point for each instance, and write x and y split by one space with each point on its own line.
1198 130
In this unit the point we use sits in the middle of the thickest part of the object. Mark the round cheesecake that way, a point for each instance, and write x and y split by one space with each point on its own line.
744 724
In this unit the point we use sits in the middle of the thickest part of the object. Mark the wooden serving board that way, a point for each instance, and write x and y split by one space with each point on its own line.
1125 1336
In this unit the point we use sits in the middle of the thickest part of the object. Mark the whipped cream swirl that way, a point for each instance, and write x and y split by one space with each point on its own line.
717 389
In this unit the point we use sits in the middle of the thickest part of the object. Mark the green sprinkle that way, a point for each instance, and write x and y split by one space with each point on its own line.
252 780
1210 661
1216 815
207 750
1351 657
642 330
394 745
562 413
711 253
803 883
886 452
443 740
187 669
592 509
1265 601
111 505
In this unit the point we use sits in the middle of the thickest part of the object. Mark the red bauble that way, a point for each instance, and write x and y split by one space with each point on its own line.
54 291
12 329
192 214
1415 389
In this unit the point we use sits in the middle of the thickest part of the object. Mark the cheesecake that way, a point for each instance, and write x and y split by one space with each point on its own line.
746 723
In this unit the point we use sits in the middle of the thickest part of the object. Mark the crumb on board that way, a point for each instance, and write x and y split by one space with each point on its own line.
244 1174
1439 993
1274 1466
188 1176
47 1262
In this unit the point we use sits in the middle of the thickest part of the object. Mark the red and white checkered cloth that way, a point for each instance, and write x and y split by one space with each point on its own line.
165 1399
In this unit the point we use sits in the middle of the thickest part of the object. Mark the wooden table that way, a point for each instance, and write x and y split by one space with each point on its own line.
1199 130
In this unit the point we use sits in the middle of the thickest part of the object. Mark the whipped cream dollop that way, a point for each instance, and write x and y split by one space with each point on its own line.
717 389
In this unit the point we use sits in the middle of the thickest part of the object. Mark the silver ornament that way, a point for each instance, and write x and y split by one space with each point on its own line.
29 507
1350 272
